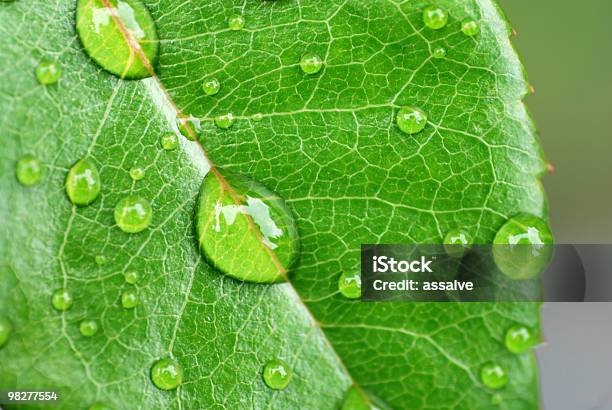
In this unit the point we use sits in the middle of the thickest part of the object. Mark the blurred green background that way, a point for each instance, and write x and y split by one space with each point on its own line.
566 46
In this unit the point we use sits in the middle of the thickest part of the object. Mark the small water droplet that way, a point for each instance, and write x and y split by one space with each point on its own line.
128 49
257 117
245 229
211 86
83 183
169 141
129 299
133 214
6 328
519 339
29 170
132 277
277 374
470 28
48 72
224 121
189 126
101 259
435 17
137 173
493 376
61 299
167 374
349 285
88 328
101 406
411 120
311 63
236 22
457 242
439 52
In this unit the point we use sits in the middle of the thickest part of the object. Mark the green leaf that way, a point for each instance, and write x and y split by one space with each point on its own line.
327 143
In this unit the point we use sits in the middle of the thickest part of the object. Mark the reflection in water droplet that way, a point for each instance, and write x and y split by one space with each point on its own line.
349 285
101 259
457 242
211 86
83 183
435 17
6 328
224 121
167 374
493 376
470 28
189 126
105 40
137 173
311 63
48 72
88 328
236 22
519 339
439 52
101 406
29 170
129 299
133 214
246 230
61 299
411 120
169 141
132 277
277 374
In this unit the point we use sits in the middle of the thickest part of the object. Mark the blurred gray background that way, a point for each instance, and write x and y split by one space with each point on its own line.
566 46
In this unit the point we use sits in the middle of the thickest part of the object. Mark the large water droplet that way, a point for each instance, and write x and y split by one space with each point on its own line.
83 183
519 339
411 120
137 173
120 36
61 299
349 285
470 28
211 86
129 299
245 230
435 17
167 374
29 170
88 328
224 121
493 376
48 72
133 214
277 374
236 22
457 242
169 141
523 247
132 277
355 400
311 63
6 328
101 406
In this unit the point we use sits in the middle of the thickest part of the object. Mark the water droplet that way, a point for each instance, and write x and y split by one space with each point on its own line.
48 72
137 173
349 285
245 229
6 328
129 299
88 327
277 374
167 374
257 117
211 86
133 214
470 28
189 126
61 299
493 376
311 63
497 399
132 277
435 17
169 141
29 170
355 400
523 247
83 183
411 120
120 37
439 52
224 121
101 406
236 22
101 259
457 242
519 339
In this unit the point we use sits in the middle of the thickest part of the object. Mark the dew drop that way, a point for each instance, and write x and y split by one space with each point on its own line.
48 72
6 328
277 374
189 126
435 17
497 399
470 28
101 406
236 22
137 173
439 52
129 299
349 285
493 376
169 141
133 214
88 328
457 242
29 170
257 117
132 277
211 86
103 30
244 229
311 63
411 120
167 374
61 299
224 121
519 339
83 183
101 259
